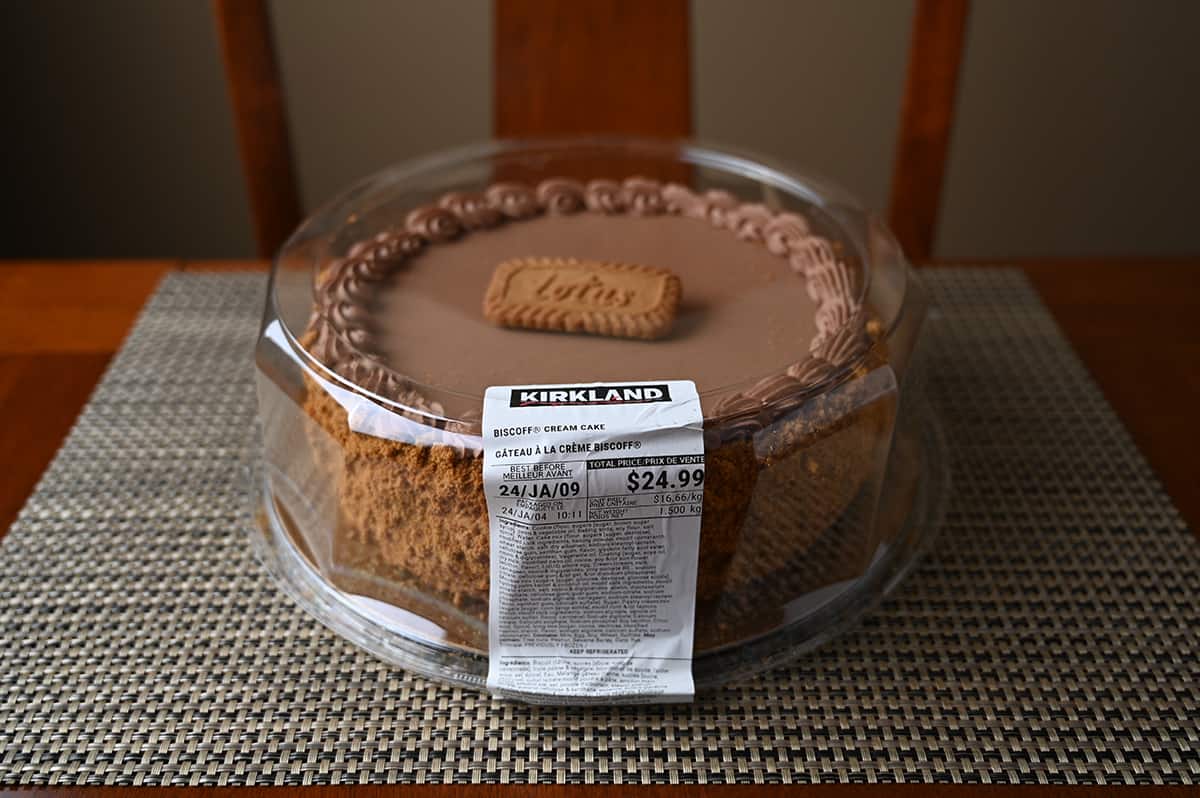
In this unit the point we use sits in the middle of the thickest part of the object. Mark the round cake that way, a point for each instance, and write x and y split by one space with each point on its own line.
768 321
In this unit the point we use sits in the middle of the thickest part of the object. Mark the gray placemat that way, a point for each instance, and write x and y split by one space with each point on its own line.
1051 635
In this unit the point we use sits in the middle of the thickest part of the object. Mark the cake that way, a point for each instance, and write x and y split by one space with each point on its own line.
770 326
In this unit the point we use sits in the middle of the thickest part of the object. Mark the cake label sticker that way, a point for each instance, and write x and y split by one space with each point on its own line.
594 496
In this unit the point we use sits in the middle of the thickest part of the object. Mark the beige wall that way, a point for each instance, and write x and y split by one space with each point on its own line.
117 137
1076 134
1078 131
814 83
372 83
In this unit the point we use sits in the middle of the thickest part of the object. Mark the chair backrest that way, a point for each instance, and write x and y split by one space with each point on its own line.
567 67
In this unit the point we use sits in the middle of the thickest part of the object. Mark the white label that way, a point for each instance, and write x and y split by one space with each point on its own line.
594 496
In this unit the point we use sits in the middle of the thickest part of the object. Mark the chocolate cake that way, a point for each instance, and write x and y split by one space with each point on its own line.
768 322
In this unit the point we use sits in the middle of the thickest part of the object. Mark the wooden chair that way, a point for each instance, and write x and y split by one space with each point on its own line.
566 67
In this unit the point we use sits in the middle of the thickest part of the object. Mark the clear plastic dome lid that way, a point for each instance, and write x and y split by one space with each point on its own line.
396 305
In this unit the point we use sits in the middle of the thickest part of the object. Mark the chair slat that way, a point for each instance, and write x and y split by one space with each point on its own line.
567 67
926 121
244 29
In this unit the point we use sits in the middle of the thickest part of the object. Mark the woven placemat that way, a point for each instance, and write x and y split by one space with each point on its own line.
1050 636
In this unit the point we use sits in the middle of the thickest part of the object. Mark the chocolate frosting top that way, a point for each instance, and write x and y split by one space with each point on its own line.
762 295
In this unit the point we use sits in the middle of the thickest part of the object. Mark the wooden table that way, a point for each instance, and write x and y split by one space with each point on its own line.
1133 322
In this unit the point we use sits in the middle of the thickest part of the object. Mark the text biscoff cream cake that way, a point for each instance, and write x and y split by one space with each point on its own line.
608 280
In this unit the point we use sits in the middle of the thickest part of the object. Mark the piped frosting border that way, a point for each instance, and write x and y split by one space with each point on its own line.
339 333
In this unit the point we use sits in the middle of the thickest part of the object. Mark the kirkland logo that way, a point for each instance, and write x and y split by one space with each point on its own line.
589 395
